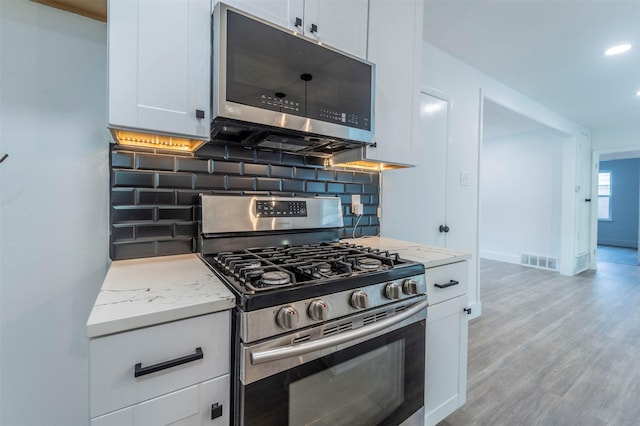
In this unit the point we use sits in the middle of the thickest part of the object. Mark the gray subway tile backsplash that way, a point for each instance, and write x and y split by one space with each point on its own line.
255 169
192 165
326 175
315 187
268 184
122 196
175 180
132 179
154 231
226 167
155 162
154 197
210 181
280 171
122 160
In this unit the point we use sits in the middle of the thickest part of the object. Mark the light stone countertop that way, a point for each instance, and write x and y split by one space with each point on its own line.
427 255
143 292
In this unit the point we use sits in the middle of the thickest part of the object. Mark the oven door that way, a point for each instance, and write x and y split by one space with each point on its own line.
376 378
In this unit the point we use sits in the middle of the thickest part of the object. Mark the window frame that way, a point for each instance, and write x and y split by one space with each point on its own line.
609 196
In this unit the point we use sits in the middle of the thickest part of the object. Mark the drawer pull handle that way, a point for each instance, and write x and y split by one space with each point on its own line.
216 411
141 371
449 284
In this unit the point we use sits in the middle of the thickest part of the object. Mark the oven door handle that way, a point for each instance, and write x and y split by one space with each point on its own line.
283 352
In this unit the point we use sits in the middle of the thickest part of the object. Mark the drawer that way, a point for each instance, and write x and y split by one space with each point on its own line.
447 281
113 360
191 406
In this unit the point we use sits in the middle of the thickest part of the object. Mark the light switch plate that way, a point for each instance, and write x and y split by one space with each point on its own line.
465 178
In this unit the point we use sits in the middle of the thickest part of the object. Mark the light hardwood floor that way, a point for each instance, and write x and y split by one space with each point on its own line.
554 350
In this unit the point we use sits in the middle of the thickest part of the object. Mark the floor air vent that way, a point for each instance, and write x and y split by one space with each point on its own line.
543 262
582 262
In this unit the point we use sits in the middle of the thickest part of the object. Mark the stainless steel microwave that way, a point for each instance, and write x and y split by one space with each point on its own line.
275 89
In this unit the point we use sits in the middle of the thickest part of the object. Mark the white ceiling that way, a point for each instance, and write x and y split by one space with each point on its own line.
550 51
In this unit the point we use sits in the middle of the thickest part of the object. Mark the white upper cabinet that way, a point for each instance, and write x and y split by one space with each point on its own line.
394 45
338 23
159 66
280 12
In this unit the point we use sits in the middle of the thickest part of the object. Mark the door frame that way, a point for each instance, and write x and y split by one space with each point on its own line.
595 164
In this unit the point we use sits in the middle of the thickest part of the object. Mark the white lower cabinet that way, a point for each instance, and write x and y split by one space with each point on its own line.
447 335
168 374
192 406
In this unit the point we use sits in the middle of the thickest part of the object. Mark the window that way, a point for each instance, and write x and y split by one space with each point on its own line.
604 195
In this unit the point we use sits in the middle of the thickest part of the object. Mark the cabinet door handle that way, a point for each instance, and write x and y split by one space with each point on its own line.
314 28
298 22
449 284
199 113
444 228
139 370
4 157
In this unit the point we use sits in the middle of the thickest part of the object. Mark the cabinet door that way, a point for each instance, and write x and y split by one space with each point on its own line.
279 12
191 406
159 54
394 45
339 23
446 370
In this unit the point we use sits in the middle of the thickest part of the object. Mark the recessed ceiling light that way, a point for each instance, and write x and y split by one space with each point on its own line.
617 49
638 93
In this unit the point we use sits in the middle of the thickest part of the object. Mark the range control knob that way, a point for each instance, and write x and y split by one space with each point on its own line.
359 299
287 317
410 287
393 291
318 310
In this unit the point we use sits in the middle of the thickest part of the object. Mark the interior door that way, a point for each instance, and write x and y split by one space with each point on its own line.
585 200
415 199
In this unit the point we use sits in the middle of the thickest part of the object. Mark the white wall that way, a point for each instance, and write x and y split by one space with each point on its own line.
466 87
615 140
53 209
520 200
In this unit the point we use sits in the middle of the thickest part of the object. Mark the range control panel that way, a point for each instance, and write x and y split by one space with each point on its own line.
270 208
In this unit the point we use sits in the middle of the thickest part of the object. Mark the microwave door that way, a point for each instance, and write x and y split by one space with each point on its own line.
263 69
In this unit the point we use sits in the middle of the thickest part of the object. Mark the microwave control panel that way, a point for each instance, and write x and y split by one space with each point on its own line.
270 208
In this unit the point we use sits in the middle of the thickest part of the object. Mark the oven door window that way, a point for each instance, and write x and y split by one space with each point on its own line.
377 382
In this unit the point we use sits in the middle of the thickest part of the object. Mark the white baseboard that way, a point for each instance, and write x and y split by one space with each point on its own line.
501 257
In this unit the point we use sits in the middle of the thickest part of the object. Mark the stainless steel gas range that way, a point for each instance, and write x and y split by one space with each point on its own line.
326 332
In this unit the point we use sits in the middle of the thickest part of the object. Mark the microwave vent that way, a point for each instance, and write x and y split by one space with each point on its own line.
252 135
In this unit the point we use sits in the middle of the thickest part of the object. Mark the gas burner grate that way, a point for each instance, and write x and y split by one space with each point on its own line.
306 264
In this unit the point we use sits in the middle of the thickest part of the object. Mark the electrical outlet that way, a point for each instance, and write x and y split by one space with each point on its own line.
356 206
